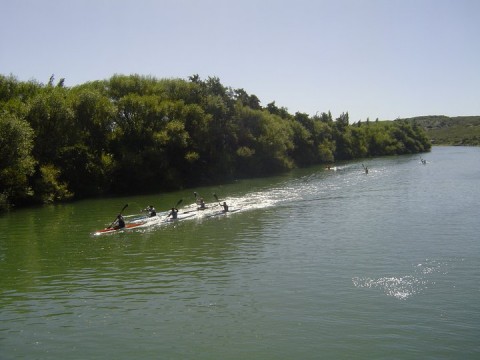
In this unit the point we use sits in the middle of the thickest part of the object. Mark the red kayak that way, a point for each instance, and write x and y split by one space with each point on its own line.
115 229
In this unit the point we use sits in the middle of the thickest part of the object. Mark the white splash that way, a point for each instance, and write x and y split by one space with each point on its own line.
398 287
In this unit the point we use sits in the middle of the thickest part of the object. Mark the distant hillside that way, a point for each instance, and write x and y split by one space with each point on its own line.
444 130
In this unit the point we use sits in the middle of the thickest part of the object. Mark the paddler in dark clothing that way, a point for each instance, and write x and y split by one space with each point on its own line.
173 213
120 223
151 211
225 206
201 204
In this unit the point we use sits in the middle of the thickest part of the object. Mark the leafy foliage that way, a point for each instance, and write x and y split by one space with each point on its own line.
16 160
131 134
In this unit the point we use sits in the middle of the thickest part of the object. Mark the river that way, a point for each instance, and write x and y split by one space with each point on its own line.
317 263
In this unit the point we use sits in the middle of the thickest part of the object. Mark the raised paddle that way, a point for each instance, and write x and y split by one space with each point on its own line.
126 205
216 198
178 202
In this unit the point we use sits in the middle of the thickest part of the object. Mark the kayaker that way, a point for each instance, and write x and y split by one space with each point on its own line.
225 206
151 211
201 204
120 223
173 213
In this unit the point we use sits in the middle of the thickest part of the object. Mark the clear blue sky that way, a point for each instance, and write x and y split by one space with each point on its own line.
372 58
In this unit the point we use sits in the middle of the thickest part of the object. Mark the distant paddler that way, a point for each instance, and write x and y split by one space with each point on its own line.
150 210
365 168
224 205
200 202
173 213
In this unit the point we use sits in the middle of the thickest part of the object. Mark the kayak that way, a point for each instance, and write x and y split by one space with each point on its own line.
222 213
146 221
150 219
116 229
196 209
180 217
142 218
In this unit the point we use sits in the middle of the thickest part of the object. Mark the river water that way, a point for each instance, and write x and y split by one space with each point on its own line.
318 263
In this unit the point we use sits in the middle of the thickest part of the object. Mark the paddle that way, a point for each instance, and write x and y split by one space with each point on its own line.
178 203
120 213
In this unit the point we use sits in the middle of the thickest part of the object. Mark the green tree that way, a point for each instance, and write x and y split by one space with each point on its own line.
359 142
94 117
16 160
134 133
52 119
247 100
49 188
275 110
343 139
264 142
119 86
303 151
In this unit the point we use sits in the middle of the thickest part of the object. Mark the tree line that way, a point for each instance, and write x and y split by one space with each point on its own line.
132 134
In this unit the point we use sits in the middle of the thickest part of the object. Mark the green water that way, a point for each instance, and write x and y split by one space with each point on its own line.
314 264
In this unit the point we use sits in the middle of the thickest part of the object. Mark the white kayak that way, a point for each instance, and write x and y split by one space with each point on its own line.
222 212
180 217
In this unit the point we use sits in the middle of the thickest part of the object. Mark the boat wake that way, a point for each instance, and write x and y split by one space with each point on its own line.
259 200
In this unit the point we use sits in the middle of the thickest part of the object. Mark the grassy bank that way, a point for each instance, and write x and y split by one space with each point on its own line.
444 130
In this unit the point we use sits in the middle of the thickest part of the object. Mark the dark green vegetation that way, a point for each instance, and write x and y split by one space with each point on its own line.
444 130
132 134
